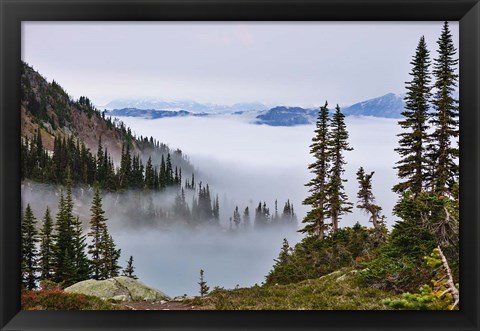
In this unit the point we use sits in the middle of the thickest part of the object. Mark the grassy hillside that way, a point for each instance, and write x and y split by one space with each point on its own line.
336 291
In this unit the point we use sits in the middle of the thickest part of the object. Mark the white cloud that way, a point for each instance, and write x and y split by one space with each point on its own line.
258 162
293 63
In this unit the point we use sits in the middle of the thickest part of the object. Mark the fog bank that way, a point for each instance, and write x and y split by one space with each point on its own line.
246 162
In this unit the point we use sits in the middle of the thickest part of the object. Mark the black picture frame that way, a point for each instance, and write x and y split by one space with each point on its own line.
13 12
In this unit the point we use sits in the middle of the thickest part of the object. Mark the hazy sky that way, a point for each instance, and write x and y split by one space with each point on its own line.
275 63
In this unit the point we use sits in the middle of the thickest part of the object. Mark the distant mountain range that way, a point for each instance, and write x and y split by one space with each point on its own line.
388 106
186 105
152 113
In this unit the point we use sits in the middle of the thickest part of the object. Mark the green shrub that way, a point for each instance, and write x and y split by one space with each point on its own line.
313 258
399 264
439 296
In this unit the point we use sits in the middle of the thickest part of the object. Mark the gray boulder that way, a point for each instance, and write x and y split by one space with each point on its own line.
119 289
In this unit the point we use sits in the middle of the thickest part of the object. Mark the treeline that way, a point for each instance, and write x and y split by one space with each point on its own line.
71 159
428 205
428 189
204 210
328 199
61 253
263 219
51 108
40 165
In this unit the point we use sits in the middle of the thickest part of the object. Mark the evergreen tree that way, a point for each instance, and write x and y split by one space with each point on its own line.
68 274
47 247
262 216
64 246
366 200
284 256
149 175
203 285
80 261
246 217
169 171
413 142
337 199
283 265
288 214
444 118
315 218
96 234
110 255
128 271
204 211
275 216
29 250
100 167
180 207
236 217
216 209
125 167
163 182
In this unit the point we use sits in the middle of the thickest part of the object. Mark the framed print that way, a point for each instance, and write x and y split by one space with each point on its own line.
239 165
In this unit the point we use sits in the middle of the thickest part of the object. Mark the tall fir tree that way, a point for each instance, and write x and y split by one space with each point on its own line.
180 207
444 118
100 167
169 170
80 259
162 174
64 246
338 203
288 214
97 226
149 175
246 218
315 218
413 141
262 216
47 247
125 167
236 217
216 209
109 256
29 237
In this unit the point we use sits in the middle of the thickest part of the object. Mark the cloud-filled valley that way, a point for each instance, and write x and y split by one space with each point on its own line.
244 164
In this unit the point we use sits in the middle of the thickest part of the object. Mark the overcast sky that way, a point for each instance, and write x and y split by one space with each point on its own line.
275 63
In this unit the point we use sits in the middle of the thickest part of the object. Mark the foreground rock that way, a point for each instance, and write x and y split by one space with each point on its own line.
119 289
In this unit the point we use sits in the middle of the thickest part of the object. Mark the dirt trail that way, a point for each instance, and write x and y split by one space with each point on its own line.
168 305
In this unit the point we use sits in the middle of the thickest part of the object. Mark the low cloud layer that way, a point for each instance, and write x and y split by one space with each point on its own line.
246 163
243 164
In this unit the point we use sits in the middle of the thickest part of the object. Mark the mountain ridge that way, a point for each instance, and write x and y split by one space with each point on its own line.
47 109
390 105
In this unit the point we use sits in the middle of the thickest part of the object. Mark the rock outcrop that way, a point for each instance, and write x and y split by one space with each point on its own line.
118 288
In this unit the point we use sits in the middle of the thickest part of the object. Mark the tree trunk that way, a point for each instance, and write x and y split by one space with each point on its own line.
450 284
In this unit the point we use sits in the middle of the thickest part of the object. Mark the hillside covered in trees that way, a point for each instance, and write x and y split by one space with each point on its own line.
74 156
413 266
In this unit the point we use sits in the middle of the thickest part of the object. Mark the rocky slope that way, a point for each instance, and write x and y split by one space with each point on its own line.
48 108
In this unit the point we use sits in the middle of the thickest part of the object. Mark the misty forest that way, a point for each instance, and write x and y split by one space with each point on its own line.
114 218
